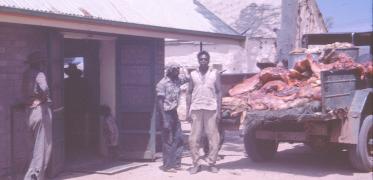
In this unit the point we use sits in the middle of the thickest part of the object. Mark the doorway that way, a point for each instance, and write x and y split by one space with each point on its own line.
81 99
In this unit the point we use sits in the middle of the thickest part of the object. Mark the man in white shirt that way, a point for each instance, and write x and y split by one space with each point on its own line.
203 109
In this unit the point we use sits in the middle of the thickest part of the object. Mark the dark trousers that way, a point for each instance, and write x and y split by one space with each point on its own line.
172 140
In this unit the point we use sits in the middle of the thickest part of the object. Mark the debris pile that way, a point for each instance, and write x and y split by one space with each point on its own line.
276 88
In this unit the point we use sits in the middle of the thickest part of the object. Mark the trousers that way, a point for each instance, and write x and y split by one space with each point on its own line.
204 122
172 140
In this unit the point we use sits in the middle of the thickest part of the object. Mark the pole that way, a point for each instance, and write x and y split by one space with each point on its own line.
11 142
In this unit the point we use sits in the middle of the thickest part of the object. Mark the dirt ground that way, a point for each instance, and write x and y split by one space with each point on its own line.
293 161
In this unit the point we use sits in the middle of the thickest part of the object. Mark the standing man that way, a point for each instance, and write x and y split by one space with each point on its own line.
168 92
36 99
76 103
203 108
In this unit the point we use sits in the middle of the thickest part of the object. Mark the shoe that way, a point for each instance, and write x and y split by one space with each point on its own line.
167 169
178 167
219 157
195 169
213 169
34 177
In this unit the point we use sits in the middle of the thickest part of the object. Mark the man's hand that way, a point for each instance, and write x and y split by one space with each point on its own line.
35 103
166 125
218 116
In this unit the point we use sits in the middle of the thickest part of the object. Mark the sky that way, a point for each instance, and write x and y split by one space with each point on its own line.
347 15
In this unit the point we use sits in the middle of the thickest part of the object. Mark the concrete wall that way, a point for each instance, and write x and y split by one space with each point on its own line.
16 43
260 50
107 74
288 30
273 28
231 57
259 20
309 20
299 17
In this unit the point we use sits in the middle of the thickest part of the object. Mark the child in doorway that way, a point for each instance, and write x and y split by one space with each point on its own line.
109 133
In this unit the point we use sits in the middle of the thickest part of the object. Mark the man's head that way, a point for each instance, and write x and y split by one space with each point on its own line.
203 58
73 71
173 70
36 60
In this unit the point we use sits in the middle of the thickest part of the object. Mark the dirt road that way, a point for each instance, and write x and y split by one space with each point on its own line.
293 161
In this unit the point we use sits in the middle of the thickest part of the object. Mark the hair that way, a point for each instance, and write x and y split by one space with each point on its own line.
203 53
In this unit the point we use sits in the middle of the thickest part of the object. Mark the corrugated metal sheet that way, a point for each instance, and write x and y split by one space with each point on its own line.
179 14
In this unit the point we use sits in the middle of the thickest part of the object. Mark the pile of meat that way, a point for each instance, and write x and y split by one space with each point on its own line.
276 88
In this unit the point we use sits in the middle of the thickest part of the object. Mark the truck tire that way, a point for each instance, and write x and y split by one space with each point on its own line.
361 154
257 149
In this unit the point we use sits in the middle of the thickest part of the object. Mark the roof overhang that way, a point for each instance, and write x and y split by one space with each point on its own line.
27 17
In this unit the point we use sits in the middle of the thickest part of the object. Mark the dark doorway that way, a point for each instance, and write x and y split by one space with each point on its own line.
81 97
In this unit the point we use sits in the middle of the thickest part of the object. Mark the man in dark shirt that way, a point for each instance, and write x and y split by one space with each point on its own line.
168 91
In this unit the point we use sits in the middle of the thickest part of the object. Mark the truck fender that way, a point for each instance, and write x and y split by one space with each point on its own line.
360 104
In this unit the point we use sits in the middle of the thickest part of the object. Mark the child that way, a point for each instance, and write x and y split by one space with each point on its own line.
109 133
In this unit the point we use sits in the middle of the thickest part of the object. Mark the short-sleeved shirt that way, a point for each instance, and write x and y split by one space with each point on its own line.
170 90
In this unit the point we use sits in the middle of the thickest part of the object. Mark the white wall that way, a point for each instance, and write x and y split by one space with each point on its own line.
231 57
107 74
274 28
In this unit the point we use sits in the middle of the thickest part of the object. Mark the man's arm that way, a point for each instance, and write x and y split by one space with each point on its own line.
160 101
218 95
184 76
161 93
189 100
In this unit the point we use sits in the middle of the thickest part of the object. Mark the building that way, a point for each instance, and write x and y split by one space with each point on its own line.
122 46
272 28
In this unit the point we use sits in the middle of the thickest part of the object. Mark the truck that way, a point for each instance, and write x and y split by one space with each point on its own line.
341 90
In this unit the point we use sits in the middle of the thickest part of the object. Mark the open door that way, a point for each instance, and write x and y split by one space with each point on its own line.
55 78
140 64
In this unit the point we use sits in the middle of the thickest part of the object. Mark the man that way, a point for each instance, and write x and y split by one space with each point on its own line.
36 101
76 101
168 91
203 108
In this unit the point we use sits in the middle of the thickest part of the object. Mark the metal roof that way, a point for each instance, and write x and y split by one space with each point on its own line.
178 14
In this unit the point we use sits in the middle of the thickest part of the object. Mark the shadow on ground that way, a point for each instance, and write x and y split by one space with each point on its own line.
297 159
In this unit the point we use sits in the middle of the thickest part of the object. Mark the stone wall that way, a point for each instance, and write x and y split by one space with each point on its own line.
299 17
309 20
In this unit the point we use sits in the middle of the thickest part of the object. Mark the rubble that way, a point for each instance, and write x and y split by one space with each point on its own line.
277 88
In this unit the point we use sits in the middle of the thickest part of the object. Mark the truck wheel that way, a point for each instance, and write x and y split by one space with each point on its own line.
257 149
361 154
